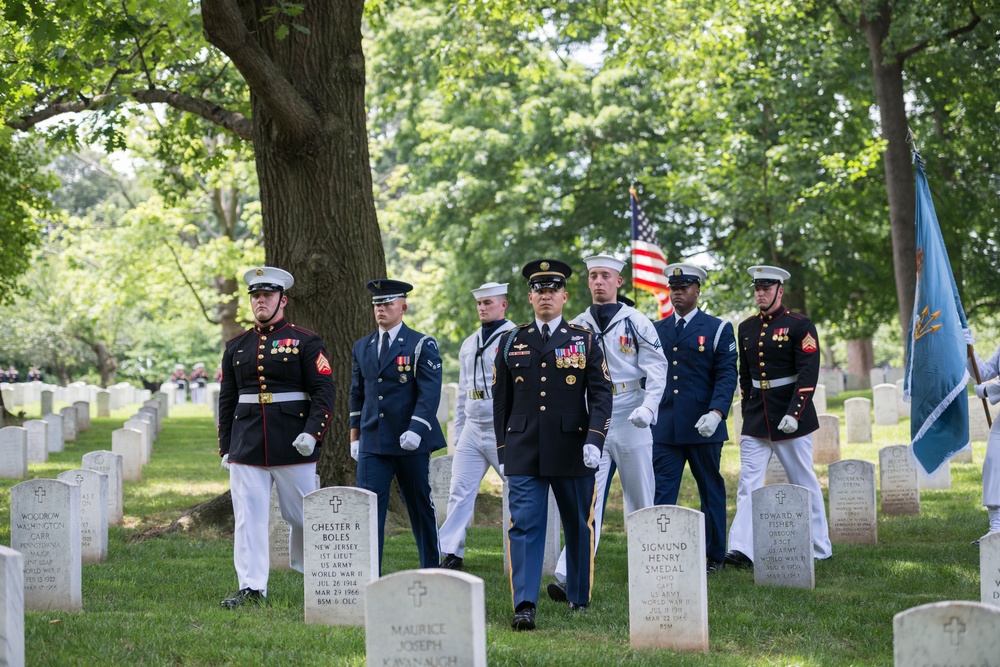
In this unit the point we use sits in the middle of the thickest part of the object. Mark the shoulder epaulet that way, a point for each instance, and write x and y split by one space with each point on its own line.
239 335
792 313
579 327
749 319
303 329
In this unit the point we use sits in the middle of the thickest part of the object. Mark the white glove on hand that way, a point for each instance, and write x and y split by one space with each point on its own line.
990 390
641 417
707 424
225 461
969 339
591 456
501 471
789 424
355 448
305 443
409 441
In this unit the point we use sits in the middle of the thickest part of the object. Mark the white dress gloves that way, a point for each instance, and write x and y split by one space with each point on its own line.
969 339
789 424
225 461
409 441
305 443
591 456
641 417
355 448
990 390
707 424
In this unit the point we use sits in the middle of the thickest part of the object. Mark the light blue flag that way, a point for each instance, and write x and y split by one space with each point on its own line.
936 372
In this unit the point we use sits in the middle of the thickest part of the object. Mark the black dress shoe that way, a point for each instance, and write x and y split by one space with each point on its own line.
452 562
245 596
737 559
714 566
524 619
580 608
556 591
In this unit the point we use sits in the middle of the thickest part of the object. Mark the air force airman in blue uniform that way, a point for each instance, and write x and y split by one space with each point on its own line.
701 355
552 405
395 391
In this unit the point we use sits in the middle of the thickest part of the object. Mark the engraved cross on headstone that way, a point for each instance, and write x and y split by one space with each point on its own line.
956 629
335 503
79 478
780 495
664 521
417 591
39 493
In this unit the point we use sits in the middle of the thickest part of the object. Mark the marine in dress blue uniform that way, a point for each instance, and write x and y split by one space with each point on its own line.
778 366
395 391
275 402
552 405
691 427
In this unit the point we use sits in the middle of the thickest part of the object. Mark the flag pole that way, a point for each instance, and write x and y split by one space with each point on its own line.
632 193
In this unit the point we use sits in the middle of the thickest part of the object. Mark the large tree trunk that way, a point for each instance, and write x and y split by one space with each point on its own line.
899 180
311 147
227 308
860 360
107 365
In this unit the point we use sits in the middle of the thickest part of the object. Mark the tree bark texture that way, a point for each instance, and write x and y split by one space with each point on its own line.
311 146
860 359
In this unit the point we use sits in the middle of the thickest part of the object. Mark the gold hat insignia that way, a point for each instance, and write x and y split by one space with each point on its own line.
260 272
677 272
544 266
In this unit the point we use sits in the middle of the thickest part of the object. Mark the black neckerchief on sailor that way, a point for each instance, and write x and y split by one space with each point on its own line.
603 314
489 333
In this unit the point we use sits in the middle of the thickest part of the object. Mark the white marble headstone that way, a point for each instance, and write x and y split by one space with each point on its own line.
947 634
884 399
858 417
38 440
145 428
426 617
93 513
278 534
340 538
69 423
852 502
553 525
82 415
902 407
129 444
110 464
56 442
979 428
819 399
104 403
13 452
47 400
11 607
898 481
45 528
164 403
989 569
668 587
775 472
782 537
440 479
826 440
940 480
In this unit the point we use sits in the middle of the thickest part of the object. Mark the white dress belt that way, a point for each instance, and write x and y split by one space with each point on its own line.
623 387
779 382
280 397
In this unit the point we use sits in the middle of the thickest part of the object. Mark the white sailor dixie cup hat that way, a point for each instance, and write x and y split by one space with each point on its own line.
765 276
604 261
268 279
490 289
681 274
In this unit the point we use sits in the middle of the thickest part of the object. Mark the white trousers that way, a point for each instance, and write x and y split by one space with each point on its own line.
475 452
631 449
797 458
991 467
251 491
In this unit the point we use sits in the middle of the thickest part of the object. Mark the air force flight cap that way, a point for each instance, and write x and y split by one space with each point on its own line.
490 289
546 274
267 279
682 275
765 276
386 291
604 261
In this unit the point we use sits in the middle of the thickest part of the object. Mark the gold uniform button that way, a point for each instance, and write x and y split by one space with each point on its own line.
260 356
542 394
765 326
762 364
260 368
760 344
677 391
763 375
675 363
262 378
542 408
263 386
544 364
675 377
262 347
675 349
301 415
322 423
263 337
543 378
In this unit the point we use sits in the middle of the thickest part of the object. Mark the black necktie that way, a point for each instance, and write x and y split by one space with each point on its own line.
680 325
382 353
545 334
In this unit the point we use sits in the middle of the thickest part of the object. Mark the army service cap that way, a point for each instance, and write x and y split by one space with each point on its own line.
682 275
490 289
546 274
386 291
765 276
604 261
268 279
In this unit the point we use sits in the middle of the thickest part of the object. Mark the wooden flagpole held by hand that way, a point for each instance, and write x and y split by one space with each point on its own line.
979 380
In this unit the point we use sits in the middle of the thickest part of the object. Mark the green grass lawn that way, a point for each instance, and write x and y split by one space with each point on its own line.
156 602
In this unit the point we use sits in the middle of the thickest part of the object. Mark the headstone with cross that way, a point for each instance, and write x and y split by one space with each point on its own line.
426 617
947 633
989 569
93 513
900 493
340 549
45 528
782 537
667 582
110 464
852 502
11 607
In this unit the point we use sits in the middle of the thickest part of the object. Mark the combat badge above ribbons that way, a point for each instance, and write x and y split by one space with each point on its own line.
809 343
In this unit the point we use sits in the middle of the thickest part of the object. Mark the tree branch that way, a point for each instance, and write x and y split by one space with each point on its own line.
187 281
838 10
224 29
969 27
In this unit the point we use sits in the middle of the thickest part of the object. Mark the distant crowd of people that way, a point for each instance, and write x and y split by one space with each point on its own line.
196 382
13 375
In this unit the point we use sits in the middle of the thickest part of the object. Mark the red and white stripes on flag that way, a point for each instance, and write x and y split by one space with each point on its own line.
648 260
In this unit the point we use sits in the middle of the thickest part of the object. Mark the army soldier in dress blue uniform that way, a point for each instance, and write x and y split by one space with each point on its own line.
779 367
701 352
552 406
395 391
275 403
475 440
638 373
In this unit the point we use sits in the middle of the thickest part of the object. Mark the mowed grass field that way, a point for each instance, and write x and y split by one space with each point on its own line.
156 601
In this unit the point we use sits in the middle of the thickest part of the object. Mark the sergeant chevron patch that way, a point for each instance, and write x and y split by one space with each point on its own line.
323 364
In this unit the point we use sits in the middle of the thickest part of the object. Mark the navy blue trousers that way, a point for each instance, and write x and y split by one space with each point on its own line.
668 467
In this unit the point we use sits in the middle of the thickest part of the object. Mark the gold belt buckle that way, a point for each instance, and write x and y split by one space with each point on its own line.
765 384
264 397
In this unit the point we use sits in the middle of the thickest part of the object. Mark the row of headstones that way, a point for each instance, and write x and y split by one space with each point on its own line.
22 394
838 381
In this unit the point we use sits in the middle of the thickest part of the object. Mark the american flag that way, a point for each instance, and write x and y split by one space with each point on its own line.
648 260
